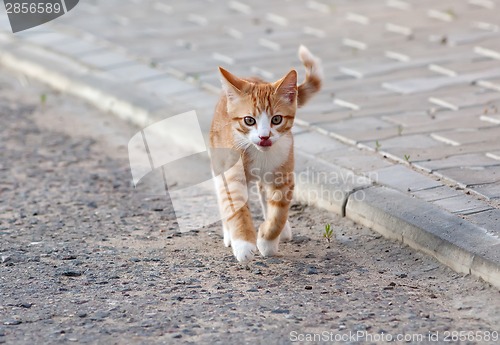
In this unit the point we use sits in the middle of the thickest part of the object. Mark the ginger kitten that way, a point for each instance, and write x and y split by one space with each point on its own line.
255 119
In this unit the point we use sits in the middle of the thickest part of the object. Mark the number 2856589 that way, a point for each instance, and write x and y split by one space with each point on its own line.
32 8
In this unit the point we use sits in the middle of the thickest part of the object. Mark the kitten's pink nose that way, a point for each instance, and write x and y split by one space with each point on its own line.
265 141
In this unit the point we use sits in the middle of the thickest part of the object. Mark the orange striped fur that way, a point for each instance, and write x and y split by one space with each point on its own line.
254 118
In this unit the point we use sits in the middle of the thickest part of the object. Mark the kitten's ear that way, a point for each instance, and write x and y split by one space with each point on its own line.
286 87
232 85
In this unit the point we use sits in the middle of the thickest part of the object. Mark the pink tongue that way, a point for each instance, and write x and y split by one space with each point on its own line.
266 142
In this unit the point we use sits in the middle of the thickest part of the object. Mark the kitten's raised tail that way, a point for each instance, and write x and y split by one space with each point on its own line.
314 76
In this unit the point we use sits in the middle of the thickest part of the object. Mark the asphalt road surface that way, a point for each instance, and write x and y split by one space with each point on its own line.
86 259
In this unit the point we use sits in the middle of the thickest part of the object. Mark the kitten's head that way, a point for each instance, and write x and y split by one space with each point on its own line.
260 113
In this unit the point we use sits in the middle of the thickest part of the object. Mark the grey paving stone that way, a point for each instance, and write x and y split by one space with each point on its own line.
314 143
165 86
106 59
444 123
204 116
371 68
487 52
296 129
196 99
355 124
401 143
437 193
491 118
362 129
248 57
464 136
442 120
464 100
284 40
352 158
470 160
494 155
468 37
317 119
373 84
416 85
193 66
489 191
462 204
488 220
471 176
491 43
77 48
439 151
49 39
321 108
370 135
492 84
403 179
134 72
475 68
383 104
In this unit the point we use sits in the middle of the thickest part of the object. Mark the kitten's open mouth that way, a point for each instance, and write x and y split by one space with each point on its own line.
265 143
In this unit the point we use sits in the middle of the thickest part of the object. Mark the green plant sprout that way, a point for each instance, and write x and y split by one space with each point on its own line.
377 145
451 13
328 234
43 99
407 158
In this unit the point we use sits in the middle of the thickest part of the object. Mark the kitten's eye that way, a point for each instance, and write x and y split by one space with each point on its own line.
249 121
276 120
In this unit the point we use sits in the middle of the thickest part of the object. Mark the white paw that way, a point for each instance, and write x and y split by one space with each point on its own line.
268 248
243 251
227 237
286 233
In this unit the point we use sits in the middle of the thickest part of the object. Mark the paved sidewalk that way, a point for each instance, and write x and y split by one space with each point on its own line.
410 100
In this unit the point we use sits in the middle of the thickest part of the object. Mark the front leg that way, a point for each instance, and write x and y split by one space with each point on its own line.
278 202
286 233
242 234
237 221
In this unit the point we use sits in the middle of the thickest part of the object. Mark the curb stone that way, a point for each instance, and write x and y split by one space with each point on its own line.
462 246
325 185
469 249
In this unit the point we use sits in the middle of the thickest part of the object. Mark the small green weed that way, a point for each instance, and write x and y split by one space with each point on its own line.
328 234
